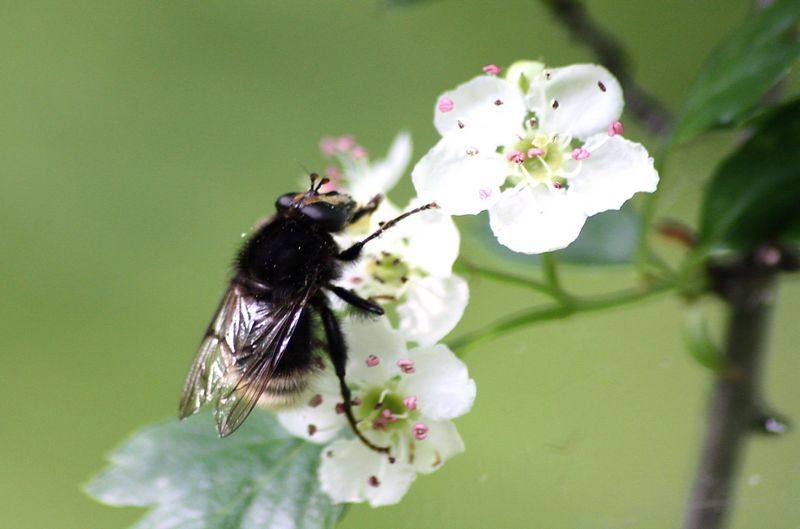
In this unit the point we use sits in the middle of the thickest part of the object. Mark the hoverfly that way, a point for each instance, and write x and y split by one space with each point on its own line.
260 344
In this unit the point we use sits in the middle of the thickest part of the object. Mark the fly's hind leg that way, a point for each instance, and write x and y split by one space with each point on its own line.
337 349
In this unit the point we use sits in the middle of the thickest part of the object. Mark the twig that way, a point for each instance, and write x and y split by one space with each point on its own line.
748 287
576 19
552 312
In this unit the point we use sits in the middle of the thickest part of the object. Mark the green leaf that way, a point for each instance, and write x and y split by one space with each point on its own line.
260 477
754 196
607 238
741 70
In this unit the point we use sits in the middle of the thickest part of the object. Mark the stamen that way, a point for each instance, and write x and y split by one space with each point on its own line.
491 69
372 361
460 124
616 128
498 102
312 429
601 86
373 481
359 152
472 151
420 431
344 143
339 408
410 402
580 154
445 105
554 104
333 172
315 401
485 193
383 396
515 156
533 152
327 145
406 366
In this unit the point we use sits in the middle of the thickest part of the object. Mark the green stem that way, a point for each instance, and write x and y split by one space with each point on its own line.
553 312
503 277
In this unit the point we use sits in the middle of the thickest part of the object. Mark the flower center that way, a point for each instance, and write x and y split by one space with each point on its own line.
538 158
384 409
389 270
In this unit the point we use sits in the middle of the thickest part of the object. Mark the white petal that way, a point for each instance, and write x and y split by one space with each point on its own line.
373 337
442 443
318 423
433 240
440 382
461 184
613 173
432 307
536 220
348 468
488 107
583 107
382 175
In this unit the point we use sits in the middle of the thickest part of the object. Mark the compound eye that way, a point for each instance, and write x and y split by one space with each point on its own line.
329 216
285 201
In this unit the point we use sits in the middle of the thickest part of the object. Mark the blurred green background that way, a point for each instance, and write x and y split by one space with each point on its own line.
140 139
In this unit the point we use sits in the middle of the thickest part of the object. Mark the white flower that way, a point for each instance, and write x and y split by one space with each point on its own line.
405 399
358 177
412 263
541 149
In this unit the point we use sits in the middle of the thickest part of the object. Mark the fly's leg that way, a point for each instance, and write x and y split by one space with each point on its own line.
354 252
337 349
351 298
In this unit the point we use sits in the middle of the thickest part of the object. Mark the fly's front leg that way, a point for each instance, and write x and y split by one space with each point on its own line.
354 252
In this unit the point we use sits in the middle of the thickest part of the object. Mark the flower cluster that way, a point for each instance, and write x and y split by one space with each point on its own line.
541 149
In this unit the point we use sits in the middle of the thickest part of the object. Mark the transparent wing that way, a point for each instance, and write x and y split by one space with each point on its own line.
258 336
213 359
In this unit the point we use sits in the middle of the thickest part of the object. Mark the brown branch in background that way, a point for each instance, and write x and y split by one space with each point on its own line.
574 16
735 409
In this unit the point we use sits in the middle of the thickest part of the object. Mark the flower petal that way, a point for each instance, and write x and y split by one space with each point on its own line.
536 220
441 443
460 183
432 307
614 173
486 107
440 382
433 240
588 99
368 338
382 175
315 419
351 472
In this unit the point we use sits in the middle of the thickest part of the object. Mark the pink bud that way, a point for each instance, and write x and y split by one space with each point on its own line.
580 154
420 431
491 69
616 128
410 402
445 105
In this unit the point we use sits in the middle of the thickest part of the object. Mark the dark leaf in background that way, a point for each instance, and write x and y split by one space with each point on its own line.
754 196
259 478
755 56
606 239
